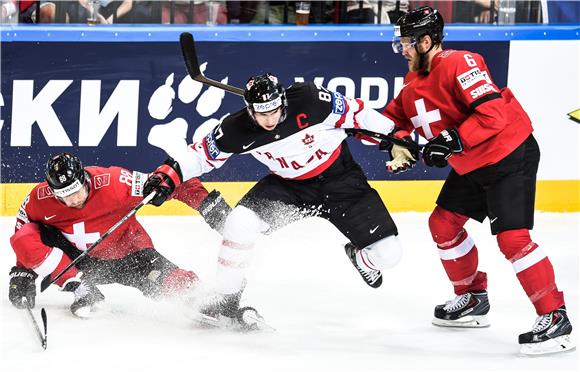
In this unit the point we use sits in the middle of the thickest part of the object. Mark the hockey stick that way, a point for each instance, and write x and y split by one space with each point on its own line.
48 280
191 63
41 336
190 56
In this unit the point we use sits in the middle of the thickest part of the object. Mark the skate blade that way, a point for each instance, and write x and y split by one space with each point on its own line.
556 345
470 321
254 322
209 322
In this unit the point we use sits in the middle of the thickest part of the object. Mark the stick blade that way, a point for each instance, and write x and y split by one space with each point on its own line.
44 320
45 325
189 54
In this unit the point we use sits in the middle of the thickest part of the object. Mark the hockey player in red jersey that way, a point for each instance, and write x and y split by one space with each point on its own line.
299 134
63 216
483 133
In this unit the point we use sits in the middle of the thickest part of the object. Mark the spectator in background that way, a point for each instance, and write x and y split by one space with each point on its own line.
394 9
478 11
272 12
198 12
28 11
9 11
359 12
445 8
112 11
106 11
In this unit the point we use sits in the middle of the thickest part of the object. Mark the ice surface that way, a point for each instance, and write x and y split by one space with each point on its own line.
327 319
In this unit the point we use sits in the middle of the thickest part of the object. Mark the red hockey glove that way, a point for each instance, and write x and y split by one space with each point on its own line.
439 149
163 181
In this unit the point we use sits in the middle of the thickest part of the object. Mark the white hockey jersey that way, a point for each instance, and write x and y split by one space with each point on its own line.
304 145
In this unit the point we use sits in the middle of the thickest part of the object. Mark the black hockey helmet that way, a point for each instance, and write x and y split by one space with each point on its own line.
65 174
417 23
264 93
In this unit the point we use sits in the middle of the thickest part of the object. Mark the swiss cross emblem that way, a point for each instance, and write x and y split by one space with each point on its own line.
308 139
424 118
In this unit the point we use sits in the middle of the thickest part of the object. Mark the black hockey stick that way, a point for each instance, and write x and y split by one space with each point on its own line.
41 336
191 63
48 280
190 56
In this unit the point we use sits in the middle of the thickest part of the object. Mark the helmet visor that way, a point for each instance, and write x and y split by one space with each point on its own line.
402 43
267 106
68 190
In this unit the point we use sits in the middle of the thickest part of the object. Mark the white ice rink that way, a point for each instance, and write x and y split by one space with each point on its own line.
327 319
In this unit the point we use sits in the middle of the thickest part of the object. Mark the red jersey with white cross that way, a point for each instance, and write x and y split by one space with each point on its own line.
113 192
458 92
111 197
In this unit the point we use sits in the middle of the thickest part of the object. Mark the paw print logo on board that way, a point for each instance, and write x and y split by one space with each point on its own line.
173 134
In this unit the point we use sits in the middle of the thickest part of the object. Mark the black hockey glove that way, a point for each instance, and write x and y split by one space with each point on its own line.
214 210
163 180
22 286
439 149
402 158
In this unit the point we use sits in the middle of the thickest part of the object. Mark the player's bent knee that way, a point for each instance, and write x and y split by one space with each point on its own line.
445 225
511 242
243 222
386 253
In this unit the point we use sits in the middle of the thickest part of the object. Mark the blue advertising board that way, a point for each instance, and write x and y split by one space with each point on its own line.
101 99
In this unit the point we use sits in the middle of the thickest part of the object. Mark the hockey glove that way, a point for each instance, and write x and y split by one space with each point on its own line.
214 210
402 159
441 148
22 286
163 181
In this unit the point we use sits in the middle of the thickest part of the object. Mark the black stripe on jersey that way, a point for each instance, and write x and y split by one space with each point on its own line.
487 97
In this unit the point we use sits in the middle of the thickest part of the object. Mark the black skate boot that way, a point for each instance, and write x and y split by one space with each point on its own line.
466 310
550 334
87 297
374 278
223 311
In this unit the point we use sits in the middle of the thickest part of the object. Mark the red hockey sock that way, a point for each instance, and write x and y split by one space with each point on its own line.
533 269
457 251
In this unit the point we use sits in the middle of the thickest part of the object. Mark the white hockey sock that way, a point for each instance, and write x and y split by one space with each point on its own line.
233 261
241 229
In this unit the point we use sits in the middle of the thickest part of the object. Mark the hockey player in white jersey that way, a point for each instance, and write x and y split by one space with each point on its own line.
299 134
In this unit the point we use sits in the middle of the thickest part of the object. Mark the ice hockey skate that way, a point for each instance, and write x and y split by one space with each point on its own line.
373 278
464 311
214 310
550 334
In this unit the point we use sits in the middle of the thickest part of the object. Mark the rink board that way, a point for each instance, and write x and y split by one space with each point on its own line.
398 196
101 90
